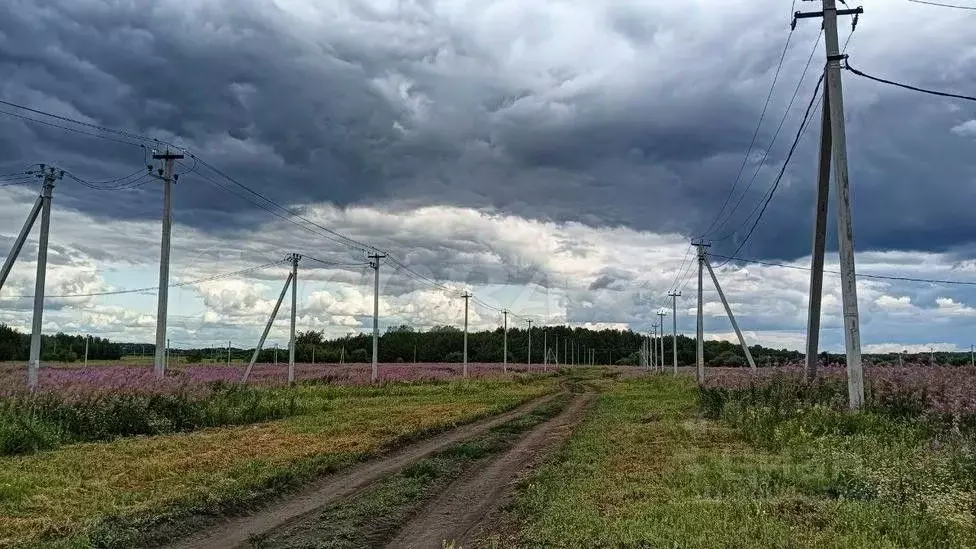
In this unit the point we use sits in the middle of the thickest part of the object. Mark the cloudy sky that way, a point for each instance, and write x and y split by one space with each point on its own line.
554 157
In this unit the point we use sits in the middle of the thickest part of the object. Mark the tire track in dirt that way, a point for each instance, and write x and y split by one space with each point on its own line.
236 532
464 506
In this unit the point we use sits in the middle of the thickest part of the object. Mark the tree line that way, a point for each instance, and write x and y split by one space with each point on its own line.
59 347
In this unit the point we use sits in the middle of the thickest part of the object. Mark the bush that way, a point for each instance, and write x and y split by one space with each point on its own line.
728 358
454 356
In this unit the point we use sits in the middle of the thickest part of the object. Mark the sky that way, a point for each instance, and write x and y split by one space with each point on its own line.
552 157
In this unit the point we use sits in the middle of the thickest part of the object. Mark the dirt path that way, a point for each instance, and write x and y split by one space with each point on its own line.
236 532
467 503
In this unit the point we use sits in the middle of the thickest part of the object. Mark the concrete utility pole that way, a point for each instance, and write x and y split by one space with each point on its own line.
165 173
294 312
505 341
674 329
375 264
728 310
87 339
653 343
834 106
819 243
661 314
34 366
464 368
700 332
267 328
529 363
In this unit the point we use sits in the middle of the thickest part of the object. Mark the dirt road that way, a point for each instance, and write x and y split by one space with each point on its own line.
467 504
236 532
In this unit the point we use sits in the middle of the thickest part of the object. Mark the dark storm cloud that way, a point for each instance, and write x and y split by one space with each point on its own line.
354 104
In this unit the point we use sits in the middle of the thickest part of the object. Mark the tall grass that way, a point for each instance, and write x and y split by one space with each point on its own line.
30 423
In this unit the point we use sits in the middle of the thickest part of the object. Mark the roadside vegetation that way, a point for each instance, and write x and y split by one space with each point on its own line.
779 465
111 494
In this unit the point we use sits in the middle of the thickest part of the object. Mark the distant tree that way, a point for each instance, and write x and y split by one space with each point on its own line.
308 338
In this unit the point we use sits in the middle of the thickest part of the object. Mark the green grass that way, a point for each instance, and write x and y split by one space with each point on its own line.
116 493
646 470
372 517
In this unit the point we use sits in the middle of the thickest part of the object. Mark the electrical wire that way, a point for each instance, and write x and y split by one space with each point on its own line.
906 86
156 288
75 130
772 142
943 5
786 163
859 275
755 133
104 129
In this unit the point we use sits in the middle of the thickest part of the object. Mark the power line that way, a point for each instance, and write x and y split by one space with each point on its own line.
906 86
942 5
859 275
155 288
75 130
105 129
755 133
782 122
782 171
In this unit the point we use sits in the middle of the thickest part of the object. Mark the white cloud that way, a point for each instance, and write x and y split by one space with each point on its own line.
966 129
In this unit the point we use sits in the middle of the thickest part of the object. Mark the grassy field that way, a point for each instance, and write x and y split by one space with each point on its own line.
108 493
647 470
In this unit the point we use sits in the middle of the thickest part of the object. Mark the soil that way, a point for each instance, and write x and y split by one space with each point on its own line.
236 532
467 508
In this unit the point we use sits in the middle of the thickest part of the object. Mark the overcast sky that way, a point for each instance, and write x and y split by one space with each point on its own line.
554 157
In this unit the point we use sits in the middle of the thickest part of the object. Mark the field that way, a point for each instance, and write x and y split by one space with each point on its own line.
620 457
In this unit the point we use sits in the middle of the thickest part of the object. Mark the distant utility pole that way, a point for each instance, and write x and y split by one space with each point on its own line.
87 339
375 264
294 313
505 341
267 329
228 352
165 173
660 356
529 363
972 355
566 360
464 368
703 261
653 346
834 139
674 295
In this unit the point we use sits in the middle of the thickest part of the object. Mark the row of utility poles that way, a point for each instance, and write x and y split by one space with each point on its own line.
833 155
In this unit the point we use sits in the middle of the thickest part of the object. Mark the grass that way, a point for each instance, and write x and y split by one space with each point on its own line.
373 516
112 494
645 469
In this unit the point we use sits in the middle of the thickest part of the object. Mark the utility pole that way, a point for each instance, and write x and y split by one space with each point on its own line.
834 106
728 310
165 173
674 295
972 355
276 354
566 360
42 207
505 342
228 352
653 346
700 332
87 339
661 314
375 264
464 368
264 335
294 312
530 344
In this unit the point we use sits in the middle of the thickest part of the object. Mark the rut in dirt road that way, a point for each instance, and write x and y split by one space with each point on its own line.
464 505
236 532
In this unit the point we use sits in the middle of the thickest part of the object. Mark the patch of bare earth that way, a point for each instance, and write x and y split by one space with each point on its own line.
470 508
